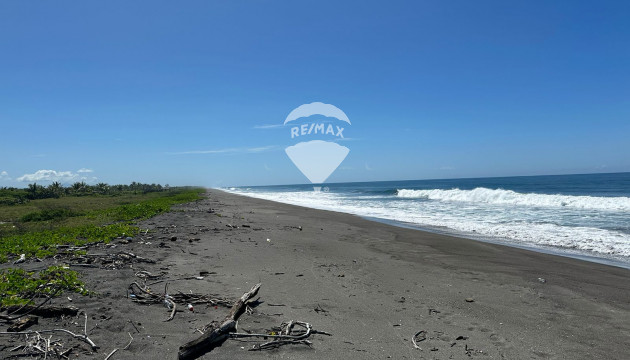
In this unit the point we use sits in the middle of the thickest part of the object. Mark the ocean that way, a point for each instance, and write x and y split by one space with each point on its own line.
584 216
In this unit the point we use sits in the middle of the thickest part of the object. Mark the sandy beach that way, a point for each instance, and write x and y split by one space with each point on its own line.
371 285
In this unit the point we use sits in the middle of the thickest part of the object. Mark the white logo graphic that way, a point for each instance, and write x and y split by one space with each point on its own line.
317 159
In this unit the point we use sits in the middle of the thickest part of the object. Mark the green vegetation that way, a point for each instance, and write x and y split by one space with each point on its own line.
13 196
18 287
49 214
35 221
44 243
36 227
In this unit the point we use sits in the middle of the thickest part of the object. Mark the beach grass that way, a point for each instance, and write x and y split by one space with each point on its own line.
36 228
20 287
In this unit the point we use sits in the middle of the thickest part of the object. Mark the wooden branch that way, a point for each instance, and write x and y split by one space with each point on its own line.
22 324
417 337
83 338
48 311
285 337
215 336
111 354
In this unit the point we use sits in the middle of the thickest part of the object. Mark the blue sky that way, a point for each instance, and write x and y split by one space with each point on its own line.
183 93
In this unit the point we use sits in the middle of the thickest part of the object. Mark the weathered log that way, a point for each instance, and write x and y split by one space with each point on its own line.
23 324
215 336
44 311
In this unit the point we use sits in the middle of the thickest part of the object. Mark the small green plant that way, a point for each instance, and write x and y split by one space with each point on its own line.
101 225
44 243
19 287
49 214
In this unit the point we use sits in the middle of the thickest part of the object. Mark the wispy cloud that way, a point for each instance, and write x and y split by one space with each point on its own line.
227 151
4 175
346 139
84 170
268 126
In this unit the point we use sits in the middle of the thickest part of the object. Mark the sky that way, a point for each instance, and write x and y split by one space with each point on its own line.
196 92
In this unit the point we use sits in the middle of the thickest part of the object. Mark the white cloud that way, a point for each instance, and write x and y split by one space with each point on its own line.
268 126
52 175
84 170
4 175
227 151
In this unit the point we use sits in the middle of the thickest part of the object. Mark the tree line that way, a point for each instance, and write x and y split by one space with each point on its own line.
11 195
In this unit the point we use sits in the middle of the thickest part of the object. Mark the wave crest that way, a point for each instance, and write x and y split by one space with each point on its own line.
509 197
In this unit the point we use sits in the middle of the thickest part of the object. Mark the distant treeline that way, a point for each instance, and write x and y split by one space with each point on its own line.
11 196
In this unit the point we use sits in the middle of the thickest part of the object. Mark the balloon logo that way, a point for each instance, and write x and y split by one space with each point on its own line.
317 159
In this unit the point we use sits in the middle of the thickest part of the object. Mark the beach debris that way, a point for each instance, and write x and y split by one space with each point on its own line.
111 353
173 238
469 300
319 309
418 337
286 335
109 261
144 295
145 275
542 280
125 348
216 334
23 324
46 347
43 311
20 260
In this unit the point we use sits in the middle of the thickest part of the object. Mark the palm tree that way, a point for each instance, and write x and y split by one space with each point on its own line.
55 189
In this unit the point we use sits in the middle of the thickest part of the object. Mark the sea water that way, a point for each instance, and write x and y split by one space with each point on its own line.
586 216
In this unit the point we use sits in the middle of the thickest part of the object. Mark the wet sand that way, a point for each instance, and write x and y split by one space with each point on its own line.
371 285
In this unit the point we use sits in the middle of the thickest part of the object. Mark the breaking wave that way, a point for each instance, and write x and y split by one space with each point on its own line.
509 197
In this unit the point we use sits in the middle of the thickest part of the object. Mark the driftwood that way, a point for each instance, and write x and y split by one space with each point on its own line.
22 324
287 335
215 336
45 311
108 261
143 295
417 337
83 337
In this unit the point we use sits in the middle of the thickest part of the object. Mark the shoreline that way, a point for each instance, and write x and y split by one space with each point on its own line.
371 285
582 255
548 249
571 285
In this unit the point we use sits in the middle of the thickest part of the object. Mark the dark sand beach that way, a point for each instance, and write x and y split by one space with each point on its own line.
371 285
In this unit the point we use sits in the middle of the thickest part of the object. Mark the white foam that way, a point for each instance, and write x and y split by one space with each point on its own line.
509 197
515 224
